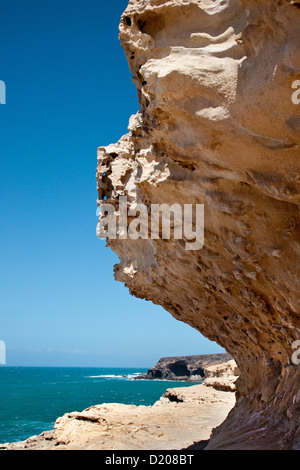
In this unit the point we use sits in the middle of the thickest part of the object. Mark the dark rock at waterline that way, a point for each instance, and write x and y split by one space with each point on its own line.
190 368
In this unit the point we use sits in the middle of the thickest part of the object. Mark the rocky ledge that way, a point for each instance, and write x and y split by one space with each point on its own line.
183 418
189 368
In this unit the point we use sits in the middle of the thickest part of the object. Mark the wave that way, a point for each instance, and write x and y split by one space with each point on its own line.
134 375
105 376
114 376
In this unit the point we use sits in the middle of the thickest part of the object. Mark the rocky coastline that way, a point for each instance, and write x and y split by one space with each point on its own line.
184 368
183 418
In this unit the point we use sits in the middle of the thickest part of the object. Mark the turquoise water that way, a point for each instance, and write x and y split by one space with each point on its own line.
31 399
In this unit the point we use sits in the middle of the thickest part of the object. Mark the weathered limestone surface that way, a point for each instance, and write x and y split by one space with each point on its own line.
217 126
222 377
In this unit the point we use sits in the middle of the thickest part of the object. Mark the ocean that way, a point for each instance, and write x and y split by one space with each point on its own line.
32 398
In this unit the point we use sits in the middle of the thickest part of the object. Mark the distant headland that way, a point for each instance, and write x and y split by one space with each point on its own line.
189 368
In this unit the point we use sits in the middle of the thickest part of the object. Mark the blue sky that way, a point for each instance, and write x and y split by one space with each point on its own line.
69 90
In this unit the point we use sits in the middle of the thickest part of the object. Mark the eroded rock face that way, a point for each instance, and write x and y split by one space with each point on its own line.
217 126
222 377
190 368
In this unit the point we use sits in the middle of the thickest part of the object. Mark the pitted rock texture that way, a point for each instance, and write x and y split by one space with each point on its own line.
217 126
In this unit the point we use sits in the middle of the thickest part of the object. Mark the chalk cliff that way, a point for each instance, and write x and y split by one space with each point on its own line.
217 126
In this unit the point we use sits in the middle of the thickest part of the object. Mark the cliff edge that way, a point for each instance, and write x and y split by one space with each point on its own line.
218 126
189 368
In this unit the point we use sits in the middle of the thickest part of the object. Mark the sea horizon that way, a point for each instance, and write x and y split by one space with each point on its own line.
5 366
